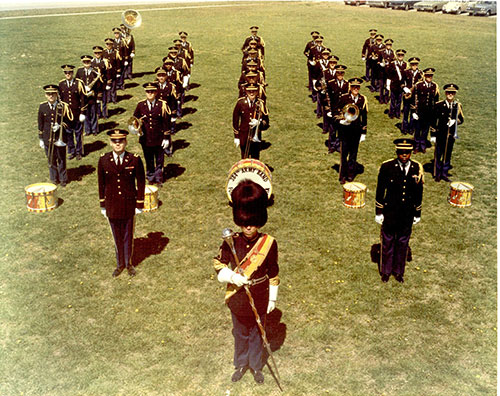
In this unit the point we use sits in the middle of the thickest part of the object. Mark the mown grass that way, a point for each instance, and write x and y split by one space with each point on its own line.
68 328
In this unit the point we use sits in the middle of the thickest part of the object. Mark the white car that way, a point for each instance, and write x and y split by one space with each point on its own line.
455 7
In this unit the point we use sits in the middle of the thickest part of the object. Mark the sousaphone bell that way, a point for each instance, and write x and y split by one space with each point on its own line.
131 19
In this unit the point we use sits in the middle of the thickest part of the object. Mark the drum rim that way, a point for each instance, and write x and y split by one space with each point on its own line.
454 185
52 185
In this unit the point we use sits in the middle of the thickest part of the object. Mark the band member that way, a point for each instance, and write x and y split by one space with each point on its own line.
425 96
398 206
336 88
154 117
319 75
119 45
251 78
92 84
253 36
365 51
52 116
260 273
307 53
181 66
188 47
412 75
395 83
448 114
102 65
351 131
250 117
167 92
314 56
121 196
129 51
114 70
373 60
72 92
386 56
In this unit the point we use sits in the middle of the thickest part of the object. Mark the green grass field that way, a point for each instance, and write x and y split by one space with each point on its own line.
68 328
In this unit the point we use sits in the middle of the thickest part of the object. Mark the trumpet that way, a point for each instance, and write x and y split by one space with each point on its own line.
131 19
135 125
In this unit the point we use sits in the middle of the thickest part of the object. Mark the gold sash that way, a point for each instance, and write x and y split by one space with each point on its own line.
251 262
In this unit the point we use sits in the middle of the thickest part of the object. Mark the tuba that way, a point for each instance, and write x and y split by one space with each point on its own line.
350 112
131 19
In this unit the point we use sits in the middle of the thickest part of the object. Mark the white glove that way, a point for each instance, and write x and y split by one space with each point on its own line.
329 114
253 122
173 119
362 138
185 81
118 75
415 116
55 127
451 123
125 63
229 276
59 143
42 145
382 64
108 87
379 218
406 90
132 130
363 58
164 143
103 212
416 220
312 63
98 101
87 88
236 142
433 139
82 117
132 55
345 122
273 296
314 84
138 211
388 85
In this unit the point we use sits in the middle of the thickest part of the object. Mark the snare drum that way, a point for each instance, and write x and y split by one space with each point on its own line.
150 198
251 169
354 195
41 197
460 194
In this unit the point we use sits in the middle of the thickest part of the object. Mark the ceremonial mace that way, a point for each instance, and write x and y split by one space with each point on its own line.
227 235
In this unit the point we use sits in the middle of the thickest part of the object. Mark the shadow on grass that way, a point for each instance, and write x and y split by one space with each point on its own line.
182 126
187 98
188 110
60 201
116 111
265 145
119 98
105 126
359 168
131 85
171 171
179 144
94 146
142 74
77 174
153 244
275 330
194 85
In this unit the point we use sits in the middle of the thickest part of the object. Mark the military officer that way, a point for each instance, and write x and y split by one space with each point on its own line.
253 36
121 196
412 75
365 52
92 84
448 114
250 202
250 117
395 83
52 116
154 115
351 131
72 92
425 96
398 206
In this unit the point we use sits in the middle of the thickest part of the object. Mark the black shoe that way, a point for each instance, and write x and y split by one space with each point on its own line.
446 178
71 156
258 377
385 278
238 374
342 181
117 272
399 278
63 184
350 178
437 178
94 133
131 271
79 157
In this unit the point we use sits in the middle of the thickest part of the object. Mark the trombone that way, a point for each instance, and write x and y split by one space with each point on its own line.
58 120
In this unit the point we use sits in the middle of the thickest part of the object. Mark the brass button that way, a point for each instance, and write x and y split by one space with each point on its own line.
119 192
248 246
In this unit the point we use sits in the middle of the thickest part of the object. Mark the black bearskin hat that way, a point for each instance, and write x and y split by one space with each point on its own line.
249 201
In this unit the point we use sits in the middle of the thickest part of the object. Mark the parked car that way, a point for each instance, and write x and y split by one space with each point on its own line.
486 8
355 2
402 4
470 7
431 6
376 3
455 7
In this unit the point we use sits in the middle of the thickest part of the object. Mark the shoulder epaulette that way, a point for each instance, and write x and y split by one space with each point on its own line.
103 154
389 160
136 155
44 102
62 80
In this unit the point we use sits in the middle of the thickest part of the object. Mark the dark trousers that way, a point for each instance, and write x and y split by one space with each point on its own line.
349 144
248 348
374 74
368 70
111 93
154 157
394 248
57 167
123 233
102 106
119 80
421 131
408 121
395 107
74 138
442 156
383 92
127 70
91 118
253 149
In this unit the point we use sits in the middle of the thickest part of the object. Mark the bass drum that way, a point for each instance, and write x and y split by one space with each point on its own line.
250 169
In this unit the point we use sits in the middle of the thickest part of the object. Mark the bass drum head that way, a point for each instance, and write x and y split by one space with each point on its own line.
249 169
